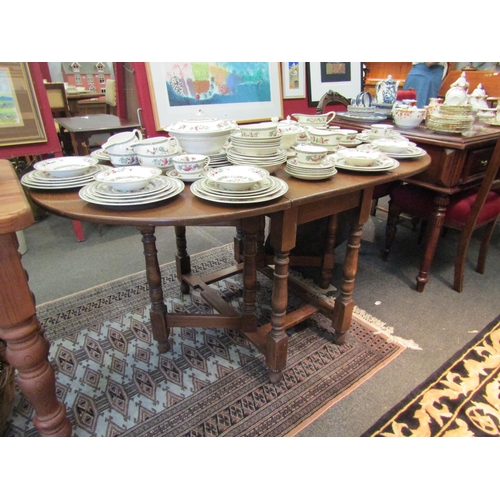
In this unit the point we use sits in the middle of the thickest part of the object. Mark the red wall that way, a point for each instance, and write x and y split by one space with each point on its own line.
52 146
289 105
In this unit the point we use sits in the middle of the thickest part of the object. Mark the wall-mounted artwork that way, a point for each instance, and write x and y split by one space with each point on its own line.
240 91
20 119
294 80
342 77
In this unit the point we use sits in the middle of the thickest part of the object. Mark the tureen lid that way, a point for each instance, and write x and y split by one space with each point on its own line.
202 123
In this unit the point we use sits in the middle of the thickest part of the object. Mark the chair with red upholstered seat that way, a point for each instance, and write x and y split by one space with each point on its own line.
466 211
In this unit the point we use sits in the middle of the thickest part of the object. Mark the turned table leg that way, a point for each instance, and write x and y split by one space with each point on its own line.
182 259
159 317
26 348
344 303
434 227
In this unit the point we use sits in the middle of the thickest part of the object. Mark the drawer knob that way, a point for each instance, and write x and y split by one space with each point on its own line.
484 163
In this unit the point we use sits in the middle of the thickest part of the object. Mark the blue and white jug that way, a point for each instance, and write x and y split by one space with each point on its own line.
386 91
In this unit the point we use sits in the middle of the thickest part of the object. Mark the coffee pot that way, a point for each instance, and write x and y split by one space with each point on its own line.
386 91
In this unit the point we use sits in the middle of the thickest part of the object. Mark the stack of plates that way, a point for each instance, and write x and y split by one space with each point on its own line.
303 171
385 164
159 189
453 119
268 189
219 159
256 150
412 151
38 179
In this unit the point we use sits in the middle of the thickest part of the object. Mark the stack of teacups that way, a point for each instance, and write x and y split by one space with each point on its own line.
156 151
311 163
120 148
189 167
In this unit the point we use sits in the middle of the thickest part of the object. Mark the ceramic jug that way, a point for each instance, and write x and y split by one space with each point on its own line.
386 90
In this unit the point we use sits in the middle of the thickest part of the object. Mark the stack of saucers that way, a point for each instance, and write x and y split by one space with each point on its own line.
65 172
219 159
311 163
450 118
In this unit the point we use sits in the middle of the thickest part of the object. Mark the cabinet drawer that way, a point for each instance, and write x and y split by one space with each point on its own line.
476 163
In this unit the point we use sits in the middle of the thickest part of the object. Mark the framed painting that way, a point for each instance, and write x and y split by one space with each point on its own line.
239 91
346 78
20 118
294 80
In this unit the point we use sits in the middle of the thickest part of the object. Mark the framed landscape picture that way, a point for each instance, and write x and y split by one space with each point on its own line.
346 78
294 80
20 119
240 91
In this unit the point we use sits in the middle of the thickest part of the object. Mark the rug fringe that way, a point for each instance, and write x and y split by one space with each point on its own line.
384 329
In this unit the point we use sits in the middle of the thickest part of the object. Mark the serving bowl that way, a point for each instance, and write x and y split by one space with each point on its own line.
259 130
408 117
359 158
202 135
128 178
66 166
156 151
310 154
237 177
123 159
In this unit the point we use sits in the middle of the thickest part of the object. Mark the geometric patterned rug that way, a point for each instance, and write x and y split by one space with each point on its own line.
212 382
462 398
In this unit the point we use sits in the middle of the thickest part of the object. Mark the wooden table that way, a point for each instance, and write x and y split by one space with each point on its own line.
81 128
458 162
26 348
305 201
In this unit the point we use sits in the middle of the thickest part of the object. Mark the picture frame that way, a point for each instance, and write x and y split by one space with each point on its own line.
294 80
243 92
20 118
346 78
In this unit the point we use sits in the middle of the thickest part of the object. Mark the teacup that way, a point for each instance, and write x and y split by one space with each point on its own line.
310 154
379 130
190 164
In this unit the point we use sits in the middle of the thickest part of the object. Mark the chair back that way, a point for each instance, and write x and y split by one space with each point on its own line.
57 99
331 97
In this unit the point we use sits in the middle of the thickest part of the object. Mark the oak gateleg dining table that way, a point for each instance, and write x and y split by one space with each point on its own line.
305 201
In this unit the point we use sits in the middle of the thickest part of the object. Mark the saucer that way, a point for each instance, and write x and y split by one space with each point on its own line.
185 177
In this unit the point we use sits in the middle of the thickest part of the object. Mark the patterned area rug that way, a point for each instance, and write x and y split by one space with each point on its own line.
213 382
461 399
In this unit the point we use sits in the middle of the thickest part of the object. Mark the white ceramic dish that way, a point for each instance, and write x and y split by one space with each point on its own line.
128 178
238 177
358 158
259 130
310 154
391 145
66 166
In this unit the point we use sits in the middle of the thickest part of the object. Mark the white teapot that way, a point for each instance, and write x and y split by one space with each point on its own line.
386 91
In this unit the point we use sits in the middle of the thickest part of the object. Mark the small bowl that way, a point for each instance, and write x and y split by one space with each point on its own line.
128 178
156 146
259 130
310 154
237 177
391 145
66 166
359 158
123 160
190 164
164 161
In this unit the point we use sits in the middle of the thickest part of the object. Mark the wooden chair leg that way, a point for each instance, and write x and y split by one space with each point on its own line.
78 229
485 244
391 228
